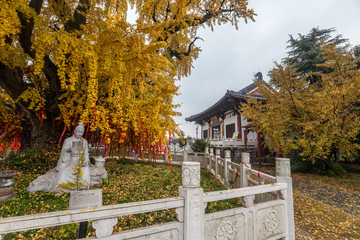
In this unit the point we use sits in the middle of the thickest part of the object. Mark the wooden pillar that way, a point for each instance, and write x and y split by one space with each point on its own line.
239 127
245 139
258 143
209 134
222 129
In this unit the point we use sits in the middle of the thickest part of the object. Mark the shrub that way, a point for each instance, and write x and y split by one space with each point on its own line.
199 145
37 161
299 164
338 170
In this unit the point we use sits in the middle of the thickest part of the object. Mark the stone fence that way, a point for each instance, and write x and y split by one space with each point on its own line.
177 158
266 211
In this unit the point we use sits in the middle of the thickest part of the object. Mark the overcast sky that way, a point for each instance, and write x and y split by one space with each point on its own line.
230 57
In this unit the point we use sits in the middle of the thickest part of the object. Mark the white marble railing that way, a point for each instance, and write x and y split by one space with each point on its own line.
104 218
229 142
270 218
266 220
177 158
230 173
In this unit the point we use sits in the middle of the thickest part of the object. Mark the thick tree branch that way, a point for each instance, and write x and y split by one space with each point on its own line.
11 81
27 27
180 55
171 30
191 44
154 13
78 18
50 71
168 10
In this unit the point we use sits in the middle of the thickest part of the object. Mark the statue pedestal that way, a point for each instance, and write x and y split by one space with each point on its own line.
6 184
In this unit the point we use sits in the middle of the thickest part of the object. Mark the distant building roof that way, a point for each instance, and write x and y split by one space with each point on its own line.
230 101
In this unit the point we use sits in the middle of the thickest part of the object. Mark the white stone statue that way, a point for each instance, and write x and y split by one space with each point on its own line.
64 177
177 147
98 172
188 148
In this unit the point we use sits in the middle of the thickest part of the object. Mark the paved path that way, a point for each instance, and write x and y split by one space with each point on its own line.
345 200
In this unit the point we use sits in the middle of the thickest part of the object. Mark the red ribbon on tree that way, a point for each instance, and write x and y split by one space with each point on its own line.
62 136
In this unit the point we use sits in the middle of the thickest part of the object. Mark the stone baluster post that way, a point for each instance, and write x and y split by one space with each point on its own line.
211 156
247 201
207 159
185 155
190 190
226 167
149 156
166 157
245 163
283 175
217 156
217 152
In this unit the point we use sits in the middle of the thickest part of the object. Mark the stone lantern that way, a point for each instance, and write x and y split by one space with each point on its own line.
6 184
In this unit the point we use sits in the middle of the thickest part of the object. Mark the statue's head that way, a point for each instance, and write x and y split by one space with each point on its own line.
79 130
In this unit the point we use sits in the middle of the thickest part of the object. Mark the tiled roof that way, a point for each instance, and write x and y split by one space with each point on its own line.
224 103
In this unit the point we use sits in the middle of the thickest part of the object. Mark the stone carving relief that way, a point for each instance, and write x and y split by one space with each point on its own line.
226 231
283 167
272 222
195 204
191 175
195 201
228 227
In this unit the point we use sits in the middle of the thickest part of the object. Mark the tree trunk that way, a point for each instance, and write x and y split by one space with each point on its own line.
34 135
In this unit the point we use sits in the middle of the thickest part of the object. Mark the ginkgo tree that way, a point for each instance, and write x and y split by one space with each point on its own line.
65 61
319 120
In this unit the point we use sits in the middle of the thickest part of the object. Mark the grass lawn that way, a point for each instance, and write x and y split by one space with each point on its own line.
128 182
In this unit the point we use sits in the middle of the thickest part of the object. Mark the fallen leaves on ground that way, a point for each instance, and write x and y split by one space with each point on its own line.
323 221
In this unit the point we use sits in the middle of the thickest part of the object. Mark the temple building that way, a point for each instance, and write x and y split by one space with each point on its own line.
224 126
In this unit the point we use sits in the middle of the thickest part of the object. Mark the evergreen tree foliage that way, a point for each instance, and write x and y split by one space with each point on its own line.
305 52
